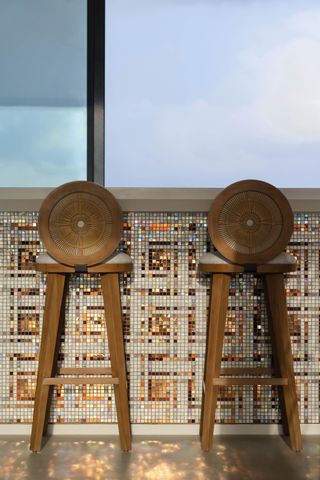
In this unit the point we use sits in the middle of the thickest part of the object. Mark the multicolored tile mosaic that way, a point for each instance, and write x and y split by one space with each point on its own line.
164 306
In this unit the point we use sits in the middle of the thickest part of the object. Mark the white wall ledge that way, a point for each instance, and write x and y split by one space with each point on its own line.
155 199
156 429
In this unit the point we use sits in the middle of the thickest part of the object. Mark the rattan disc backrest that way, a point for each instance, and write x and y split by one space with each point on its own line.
80 223
250 222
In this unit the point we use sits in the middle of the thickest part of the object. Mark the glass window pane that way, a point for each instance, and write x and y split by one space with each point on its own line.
201 93
42 92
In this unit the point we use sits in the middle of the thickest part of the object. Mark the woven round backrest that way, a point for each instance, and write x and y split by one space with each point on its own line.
250 222
80 223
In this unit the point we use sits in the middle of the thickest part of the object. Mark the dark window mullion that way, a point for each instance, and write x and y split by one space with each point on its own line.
95 90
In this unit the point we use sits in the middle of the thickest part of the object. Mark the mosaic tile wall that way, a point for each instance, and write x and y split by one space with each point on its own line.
165 306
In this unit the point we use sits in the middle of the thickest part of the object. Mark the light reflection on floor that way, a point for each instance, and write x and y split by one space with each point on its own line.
161 458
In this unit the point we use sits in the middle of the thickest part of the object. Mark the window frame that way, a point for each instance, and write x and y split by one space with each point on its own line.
300 195
96 90
135 199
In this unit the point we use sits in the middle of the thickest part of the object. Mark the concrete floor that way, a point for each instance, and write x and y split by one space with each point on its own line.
160 458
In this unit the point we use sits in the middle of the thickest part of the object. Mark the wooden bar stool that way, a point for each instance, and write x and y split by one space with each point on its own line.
250 223
80 224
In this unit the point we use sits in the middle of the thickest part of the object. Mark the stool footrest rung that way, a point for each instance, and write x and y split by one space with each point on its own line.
249 381
246 371
80 381
84 371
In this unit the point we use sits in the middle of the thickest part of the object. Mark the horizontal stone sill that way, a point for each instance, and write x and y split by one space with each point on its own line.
155 199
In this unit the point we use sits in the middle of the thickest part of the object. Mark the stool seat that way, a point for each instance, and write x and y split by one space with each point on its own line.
117 262
214 262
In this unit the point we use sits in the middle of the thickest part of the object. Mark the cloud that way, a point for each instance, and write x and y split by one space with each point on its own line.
42 146
265 117
285 79
305 22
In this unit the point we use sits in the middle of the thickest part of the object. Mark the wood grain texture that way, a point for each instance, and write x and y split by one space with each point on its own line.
84 371
277 307
249 381
112 307
246 371
52 324
275 363
80 381
216 326
95 208
269 198
283 361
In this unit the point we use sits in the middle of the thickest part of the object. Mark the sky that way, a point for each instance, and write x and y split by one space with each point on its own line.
204 93
199 93
42 92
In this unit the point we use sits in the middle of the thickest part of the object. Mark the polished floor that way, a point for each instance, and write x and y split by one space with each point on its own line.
160 458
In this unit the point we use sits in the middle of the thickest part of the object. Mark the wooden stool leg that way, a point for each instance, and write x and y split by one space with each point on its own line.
277 306
216 324
276 365
52 323
112 307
